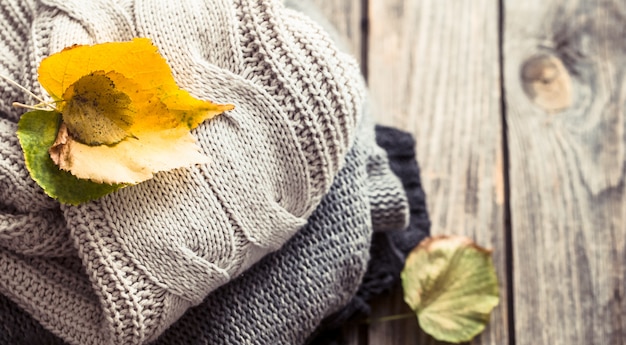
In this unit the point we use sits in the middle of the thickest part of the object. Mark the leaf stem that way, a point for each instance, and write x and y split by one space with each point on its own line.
390 318
40 106
14 83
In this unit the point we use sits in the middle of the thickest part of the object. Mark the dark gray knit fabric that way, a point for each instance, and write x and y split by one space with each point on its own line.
389 249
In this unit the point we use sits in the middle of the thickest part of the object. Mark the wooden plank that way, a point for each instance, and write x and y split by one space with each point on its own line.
434 70
568 194
404 330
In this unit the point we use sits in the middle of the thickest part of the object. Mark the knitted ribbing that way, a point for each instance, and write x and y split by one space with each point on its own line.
389 208
151 251
400 147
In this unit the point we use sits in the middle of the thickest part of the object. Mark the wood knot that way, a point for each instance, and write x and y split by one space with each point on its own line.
547 82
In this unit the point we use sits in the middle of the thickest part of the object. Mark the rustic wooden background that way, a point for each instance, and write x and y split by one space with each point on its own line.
518 112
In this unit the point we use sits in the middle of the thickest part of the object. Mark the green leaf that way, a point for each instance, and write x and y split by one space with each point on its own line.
451 284
37 131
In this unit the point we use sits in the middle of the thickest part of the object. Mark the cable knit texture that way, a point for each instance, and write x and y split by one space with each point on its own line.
122 269
282 298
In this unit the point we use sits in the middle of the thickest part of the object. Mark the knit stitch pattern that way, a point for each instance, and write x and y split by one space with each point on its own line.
389 249
317 271
280 299
122 269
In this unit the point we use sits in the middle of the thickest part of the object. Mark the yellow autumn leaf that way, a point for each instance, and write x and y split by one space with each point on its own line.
124 118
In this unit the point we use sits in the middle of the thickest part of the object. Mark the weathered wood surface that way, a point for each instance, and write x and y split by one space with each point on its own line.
568 197
433 69
536 172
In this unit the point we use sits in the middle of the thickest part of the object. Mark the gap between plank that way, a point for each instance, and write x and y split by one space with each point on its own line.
363 330
365 32
508 228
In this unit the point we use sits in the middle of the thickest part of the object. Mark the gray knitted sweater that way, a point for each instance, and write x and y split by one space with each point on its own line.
124 268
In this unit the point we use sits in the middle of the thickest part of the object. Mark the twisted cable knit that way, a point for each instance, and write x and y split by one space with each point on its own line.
122 269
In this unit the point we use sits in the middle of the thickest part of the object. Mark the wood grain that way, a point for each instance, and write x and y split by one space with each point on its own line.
434 71
404 331
567 174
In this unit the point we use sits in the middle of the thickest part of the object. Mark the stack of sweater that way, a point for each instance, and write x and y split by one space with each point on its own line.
303 214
